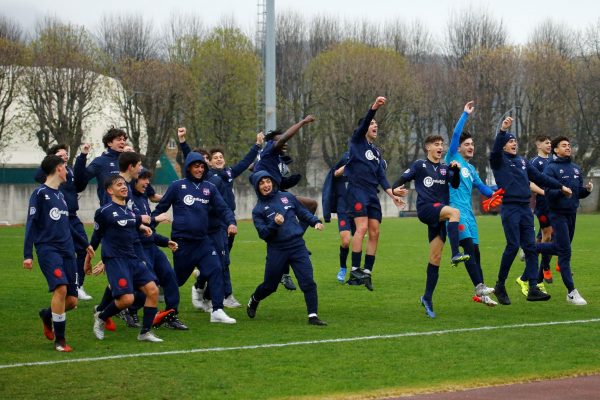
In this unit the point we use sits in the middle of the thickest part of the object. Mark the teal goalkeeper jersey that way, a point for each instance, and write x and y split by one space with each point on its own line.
461 198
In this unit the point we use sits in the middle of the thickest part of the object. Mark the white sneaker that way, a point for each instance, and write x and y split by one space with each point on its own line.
231 302
575 298
487 300
196 273
220 316
149 337
521 255
98 326
482 290
197 301
82 295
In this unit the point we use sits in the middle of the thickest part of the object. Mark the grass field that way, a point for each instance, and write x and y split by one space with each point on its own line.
522 346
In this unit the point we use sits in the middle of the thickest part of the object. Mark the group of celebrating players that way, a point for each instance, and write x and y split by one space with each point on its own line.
204 224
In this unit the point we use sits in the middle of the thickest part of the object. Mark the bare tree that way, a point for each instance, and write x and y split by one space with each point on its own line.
10 30
124 37
11 70
183 34
60 87
471 29
153 94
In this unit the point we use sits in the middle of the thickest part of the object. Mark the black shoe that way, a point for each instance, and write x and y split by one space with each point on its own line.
172 321
316 321
367 281
252 306
357 274
501 295
535 294
135 321
287 282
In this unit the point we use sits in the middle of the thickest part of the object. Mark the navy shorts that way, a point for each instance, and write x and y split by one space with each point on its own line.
543 219
127 274
58 269
345 223
429 214
363 203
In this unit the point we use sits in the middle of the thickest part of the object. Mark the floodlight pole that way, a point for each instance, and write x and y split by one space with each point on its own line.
270 99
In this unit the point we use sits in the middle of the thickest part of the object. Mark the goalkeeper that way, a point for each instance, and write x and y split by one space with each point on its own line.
461 150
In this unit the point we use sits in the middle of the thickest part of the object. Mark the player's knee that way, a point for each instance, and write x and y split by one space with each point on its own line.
151 290
70 303
435 258
345 242
454 214
124 301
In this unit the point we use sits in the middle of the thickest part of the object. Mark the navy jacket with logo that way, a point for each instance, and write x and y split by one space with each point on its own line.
365 164
48 223
71 187
289 234
569 175
513 173
116 226
102 166
192 199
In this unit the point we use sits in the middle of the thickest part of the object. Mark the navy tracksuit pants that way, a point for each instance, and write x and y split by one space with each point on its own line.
221 242
157 260
200 254
519 230
277 264
563 226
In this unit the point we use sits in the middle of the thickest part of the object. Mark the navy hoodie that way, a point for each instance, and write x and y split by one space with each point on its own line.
192 199
102 166
569 175
365 167
289 234
513 173
140 200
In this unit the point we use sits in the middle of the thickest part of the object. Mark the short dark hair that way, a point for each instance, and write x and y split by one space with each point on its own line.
433 139
464 136
271 134
216 150
50 162
111 179
542 138
128 158
202 151
556 141
54 149
112 134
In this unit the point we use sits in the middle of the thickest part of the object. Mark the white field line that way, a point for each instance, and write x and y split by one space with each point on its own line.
300 343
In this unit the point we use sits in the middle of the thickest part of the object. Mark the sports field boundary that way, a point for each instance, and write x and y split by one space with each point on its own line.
299 343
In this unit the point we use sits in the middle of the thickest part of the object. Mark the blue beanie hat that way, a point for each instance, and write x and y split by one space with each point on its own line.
508 136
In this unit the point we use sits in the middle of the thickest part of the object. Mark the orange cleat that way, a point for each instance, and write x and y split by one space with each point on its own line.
557 268
62 346
160 317
548 276
110 325
47 321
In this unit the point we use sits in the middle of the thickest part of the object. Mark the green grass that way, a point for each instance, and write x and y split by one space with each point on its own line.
377 367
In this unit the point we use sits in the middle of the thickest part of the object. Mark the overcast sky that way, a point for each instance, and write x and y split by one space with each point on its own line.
519 16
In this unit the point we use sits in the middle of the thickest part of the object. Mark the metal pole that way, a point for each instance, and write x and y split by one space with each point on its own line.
270 101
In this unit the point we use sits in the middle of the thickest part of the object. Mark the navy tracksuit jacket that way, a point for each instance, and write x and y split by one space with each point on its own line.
285 245
563 213
513 173
192 199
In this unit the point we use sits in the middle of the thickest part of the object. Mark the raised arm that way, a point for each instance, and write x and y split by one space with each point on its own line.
292 130
249 158
359 133
496 153
455 141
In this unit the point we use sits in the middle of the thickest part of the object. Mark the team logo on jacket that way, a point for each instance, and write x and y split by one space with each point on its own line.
561 171
428 181
130 204
443 171
55 213
122 222
284 200
576 171
523 162
32 210
369 155
206 191
46 197
465 172
229 173
188 200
